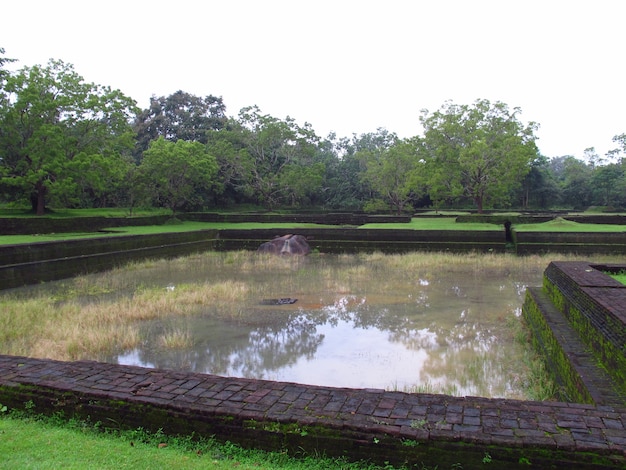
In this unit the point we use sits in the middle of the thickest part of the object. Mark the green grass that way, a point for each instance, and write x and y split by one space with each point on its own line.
36 442
417 223
562 225
186 226
434 223
69 213
621 277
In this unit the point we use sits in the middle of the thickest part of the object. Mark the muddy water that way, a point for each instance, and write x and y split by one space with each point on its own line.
357 322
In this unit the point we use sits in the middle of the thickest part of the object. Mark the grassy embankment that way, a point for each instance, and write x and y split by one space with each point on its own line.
417 223
36 442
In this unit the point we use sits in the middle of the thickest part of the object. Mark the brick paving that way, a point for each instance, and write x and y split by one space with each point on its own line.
366 423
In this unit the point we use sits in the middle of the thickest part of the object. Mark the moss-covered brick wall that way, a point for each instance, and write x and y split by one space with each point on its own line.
584 243
547 340
577 320
47 261
34 225
348 240
595 305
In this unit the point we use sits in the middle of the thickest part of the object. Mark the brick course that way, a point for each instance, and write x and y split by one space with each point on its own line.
356 423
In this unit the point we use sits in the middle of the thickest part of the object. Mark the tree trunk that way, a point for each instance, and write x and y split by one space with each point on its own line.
41 198
479 204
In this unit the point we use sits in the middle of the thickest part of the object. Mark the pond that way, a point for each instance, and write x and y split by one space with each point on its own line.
416 322
364 321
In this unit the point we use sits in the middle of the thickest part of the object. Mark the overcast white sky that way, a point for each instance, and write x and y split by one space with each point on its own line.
349 66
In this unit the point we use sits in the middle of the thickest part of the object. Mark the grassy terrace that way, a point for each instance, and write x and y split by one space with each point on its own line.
417 223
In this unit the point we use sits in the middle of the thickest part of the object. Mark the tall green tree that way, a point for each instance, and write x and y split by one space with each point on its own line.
480 151
346 186
574 178
179 116
176 174
234 162
539 188
277 154
53 125
397 174
608 183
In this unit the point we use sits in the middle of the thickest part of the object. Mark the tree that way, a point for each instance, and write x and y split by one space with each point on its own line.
607 182
574 178
539 188
481 152
180 116
3 73
277 153
300 183
617 153
50 124
175 174
396 175
365 148
234 164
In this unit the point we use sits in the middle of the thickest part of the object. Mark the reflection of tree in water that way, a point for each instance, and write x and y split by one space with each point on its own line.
467 358
250 352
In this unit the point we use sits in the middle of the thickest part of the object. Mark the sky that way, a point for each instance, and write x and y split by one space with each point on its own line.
349 66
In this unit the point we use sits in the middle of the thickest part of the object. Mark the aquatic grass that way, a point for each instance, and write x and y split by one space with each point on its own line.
429 387
70 330
176 338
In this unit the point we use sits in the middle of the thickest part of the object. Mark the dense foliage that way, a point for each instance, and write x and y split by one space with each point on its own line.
68 143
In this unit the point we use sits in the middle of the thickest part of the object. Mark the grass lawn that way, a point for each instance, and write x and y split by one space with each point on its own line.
434 223
52 443
562 225
621 277
68 213
186 226
439 223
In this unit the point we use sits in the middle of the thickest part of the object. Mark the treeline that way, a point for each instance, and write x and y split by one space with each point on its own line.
68 143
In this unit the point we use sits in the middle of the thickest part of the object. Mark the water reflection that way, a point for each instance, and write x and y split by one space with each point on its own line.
355 324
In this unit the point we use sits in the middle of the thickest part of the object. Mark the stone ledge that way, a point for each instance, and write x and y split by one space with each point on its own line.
376 425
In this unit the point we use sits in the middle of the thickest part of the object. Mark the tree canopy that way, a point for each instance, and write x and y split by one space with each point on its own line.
480 151
179 116
54 128
68 143
176 174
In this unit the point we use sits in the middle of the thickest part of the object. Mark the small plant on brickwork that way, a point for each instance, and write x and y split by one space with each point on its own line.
441 423
418 423
487 458
3 408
